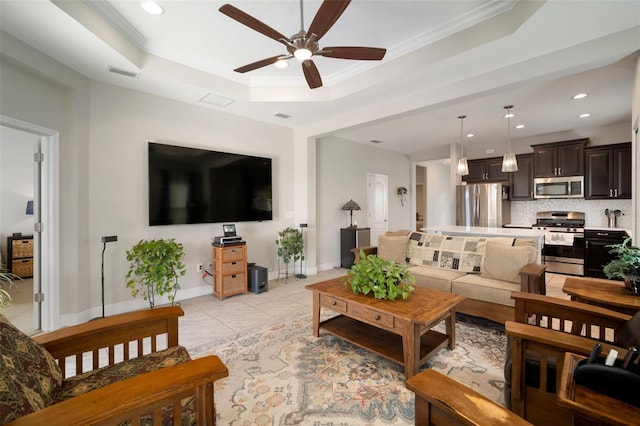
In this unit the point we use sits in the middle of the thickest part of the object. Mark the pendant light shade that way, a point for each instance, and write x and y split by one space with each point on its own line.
509 163
463 167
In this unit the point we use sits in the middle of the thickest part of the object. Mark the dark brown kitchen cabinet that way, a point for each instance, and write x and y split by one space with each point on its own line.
485 170
608 172
559 158
521 182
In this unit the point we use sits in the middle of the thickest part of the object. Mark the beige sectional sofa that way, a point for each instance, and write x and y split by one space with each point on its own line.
484 269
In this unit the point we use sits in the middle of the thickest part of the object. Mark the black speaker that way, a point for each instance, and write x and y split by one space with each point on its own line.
258 279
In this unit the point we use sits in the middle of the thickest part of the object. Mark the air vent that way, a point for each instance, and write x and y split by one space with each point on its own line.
217 100
126 73
375 141
282 115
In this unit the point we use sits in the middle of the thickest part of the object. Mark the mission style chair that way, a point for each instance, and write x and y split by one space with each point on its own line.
544 330
112 370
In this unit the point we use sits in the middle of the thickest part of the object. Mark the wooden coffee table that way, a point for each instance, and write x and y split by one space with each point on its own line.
600 292
398 330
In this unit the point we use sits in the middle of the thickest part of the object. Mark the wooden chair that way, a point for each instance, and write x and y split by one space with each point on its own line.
115 341
441 400
545 328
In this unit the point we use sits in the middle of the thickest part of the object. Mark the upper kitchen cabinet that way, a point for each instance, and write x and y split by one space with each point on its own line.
485 170
521 182
608 171
559 158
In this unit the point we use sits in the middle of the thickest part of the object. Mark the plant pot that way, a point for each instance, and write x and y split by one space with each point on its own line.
632 286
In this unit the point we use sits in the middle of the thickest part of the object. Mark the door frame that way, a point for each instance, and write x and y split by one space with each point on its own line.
46 256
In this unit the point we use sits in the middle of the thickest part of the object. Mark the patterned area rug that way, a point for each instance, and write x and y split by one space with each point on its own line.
282 375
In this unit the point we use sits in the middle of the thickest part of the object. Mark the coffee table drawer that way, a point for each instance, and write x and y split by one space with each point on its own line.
372 317
333 303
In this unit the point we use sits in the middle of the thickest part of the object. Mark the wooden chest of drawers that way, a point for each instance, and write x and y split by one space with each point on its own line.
229 271
20 255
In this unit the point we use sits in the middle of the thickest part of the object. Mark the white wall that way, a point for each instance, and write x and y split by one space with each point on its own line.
16 184
439 194
342 168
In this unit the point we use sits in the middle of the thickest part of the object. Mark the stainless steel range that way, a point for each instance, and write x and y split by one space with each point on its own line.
563 250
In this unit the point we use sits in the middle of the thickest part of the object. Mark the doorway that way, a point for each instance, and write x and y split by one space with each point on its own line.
45 229
378 205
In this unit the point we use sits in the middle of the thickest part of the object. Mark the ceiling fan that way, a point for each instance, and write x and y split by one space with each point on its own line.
304 45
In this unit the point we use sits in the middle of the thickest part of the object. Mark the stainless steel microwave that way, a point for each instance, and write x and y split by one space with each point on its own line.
559 187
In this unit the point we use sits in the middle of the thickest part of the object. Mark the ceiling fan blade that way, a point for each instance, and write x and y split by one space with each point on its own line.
327 15
359 53
258 64
311 74
251 22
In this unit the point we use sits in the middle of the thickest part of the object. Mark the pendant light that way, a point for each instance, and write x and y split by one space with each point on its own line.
509 163
463 167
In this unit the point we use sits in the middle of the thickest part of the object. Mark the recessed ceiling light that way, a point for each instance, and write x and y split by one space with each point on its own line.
579 96
520 126
282 115
152 7
510 115
585 115
281 64
375 141
470 135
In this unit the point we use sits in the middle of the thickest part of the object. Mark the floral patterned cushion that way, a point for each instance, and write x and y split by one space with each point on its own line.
29 375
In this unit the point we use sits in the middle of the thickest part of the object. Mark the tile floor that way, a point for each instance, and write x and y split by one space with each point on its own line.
207 318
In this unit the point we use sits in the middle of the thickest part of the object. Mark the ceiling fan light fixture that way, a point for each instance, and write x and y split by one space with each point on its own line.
281 63
152 8
302 54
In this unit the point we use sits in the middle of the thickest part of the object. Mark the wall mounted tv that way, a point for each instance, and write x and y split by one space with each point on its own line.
188 185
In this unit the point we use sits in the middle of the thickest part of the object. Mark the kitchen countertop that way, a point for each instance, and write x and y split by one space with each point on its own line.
485 231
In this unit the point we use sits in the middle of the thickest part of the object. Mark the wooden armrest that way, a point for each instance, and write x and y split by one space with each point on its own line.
533 270
536 303
532 278
457 401
367 251
143 394
112 331
564 342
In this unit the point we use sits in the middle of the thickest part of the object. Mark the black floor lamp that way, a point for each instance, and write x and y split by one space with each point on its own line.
304 251
105 240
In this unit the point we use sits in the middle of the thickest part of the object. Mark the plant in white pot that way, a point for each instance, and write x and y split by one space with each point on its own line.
154 269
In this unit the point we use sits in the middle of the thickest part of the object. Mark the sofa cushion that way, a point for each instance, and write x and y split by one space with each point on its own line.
434 277
392 247
445 251
478 287
503 262
29 375
95 379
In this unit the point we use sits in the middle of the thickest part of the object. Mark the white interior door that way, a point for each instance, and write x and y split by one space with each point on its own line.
378 203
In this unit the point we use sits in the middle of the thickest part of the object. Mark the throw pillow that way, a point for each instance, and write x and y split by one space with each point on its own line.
29 373
503 262
393 248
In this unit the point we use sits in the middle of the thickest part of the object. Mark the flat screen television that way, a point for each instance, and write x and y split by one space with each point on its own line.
189 185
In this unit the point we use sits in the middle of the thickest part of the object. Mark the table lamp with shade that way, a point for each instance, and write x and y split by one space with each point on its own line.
351 206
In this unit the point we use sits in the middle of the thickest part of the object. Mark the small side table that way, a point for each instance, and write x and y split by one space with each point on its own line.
604 293
590 407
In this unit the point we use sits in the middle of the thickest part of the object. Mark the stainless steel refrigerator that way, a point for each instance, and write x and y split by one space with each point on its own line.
482 204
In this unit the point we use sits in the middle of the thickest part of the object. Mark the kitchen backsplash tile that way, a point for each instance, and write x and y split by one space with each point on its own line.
524 212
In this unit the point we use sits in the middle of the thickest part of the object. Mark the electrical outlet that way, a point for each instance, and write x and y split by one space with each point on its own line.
199 267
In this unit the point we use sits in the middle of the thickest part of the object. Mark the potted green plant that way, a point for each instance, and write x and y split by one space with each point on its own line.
290 245
154 269
626 266
386 279
6 281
